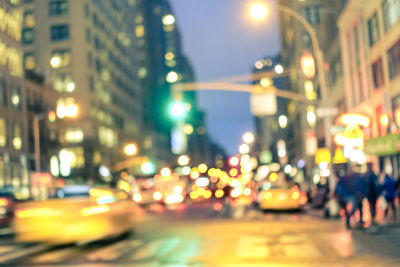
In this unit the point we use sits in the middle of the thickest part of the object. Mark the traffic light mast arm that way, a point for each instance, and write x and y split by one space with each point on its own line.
220 86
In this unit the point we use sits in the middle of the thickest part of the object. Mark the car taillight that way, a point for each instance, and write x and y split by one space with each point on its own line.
3 201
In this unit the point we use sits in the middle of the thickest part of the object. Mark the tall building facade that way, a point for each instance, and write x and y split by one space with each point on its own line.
370 45
296 45
13 124
162 63
85 49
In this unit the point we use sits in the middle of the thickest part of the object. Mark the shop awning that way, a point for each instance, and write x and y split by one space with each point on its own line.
383 146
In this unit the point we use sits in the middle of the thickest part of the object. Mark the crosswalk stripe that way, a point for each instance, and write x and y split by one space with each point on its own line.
54 256
252 247
23 252
113 251
4 249
157 248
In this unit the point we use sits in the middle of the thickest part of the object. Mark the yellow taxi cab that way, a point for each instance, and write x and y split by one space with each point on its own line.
79 214
279 193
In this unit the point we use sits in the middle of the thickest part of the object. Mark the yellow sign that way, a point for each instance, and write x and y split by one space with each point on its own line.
323 154
338 157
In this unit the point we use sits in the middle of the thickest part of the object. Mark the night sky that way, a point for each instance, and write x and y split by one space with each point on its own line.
221 40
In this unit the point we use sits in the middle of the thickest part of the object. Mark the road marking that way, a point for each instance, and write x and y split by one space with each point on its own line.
23 252
4 249
306 250
252 247
113 251
54 256
156 248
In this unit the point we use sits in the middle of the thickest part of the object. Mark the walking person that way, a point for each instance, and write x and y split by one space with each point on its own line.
389 192
361 192
373 190
346 195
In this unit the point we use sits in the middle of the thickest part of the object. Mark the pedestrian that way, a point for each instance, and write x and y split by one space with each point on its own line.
389 192
360 191
346 195
373 190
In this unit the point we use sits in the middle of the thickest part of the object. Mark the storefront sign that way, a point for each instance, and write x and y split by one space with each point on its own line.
382 146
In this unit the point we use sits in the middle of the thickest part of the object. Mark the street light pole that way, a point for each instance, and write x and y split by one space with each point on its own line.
319 56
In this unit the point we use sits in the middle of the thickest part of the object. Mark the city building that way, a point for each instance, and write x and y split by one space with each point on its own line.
370 45
300 59
162 63
272 128
85 50
13 112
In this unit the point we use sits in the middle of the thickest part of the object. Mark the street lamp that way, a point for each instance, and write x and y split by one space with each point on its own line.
248 137
130 149
317 51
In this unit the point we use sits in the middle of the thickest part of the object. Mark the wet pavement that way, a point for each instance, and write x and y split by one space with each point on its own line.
198 236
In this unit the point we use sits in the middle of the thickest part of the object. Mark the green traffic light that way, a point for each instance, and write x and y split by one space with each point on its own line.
147 168
177 110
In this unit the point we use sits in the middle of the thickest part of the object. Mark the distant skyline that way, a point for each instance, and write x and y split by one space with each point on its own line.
220 41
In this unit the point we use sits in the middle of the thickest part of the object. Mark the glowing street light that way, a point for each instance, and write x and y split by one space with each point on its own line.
244 148
130 149
258 11
165 172
248 138
283 121
278 69
147 168
172 77
183 160
168 19
177 110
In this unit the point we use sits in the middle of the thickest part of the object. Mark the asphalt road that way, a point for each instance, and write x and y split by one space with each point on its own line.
195 235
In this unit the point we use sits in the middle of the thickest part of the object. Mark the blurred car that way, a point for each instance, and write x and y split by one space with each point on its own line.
78 214
148 196
281 194
7 205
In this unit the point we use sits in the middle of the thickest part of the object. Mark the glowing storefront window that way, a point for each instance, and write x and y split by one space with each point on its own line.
64 83
17 137
108 137
139 31
29 61
60 58
11 21
74 135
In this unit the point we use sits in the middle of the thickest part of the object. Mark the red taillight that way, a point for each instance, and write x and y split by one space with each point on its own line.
3 201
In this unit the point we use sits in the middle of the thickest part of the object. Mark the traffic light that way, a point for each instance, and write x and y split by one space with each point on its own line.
234 161
307 64
52 116
177 110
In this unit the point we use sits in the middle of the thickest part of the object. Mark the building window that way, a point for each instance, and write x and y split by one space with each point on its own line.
17 137
391 13
89 59
312 14
29 61
3 92
87 10
16 97
377 73
394 60
3 132
28 36
108 137
60 58
29 19
59 32
74 135
64 83
373 29
58 8
88 35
